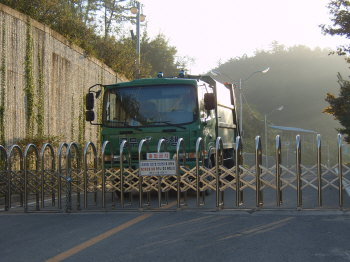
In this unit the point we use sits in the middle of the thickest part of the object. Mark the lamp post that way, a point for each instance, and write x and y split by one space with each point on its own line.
240 95
136 10
214 72
266 140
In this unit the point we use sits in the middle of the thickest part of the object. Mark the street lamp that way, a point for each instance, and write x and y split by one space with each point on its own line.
218 73
276 109
215 73
136 10
240 95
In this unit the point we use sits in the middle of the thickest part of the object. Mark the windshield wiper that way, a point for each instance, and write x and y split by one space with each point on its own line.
127 125
167 123
135 127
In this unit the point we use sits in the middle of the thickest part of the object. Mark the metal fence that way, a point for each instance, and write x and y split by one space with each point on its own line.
68 178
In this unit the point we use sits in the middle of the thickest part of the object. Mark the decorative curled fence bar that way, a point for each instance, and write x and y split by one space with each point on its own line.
278 171
60 171
31 175
31 180
49 179
15 178
4 180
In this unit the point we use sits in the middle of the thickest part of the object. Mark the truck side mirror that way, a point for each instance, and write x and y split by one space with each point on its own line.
90 115
90 100
209 101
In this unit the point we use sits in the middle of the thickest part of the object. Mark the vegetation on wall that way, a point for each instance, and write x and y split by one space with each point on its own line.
72 109
81 121
29 82
39 141
34 95
2 82
40 98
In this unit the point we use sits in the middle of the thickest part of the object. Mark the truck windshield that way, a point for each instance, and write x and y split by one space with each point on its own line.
149 106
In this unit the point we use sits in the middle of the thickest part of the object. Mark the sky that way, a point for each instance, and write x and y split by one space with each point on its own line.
212 32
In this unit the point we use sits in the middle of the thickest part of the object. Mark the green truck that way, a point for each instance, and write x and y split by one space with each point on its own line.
186 107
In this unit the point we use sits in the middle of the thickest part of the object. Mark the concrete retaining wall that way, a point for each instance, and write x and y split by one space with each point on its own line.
60 68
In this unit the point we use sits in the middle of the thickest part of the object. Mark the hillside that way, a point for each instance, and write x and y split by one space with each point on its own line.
299 79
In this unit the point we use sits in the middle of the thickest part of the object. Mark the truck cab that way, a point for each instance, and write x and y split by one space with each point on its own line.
185 107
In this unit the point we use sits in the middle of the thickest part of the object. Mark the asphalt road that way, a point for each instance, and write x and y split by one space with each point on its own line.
186 235
190 234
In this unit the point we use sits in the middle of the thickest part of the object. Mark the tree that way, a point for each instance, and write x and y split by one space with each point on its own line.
340 16
119 55
339 107
88 10
63 16
113 15
95 26
160 55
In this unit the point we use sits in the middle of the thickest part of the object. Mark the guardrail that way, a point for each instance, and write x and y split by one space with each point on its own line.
34 179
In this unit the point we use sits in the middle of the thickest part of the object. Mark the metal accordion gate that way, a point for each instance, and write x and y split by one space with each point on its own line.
76 179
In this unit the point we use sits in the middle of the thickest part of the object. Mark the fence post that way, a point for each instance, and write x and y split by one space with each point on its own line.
298 172
121 159
199 157
59 174
340 170
9 174
3 153
86 169
53 169
69 178
159 147
319 170
218 162
26 151
140 177
178 175
238 162
278 171
258 162
105 144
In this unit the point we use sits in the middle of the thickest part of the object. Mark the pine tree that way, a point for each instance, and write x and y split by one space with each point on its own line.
339 107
